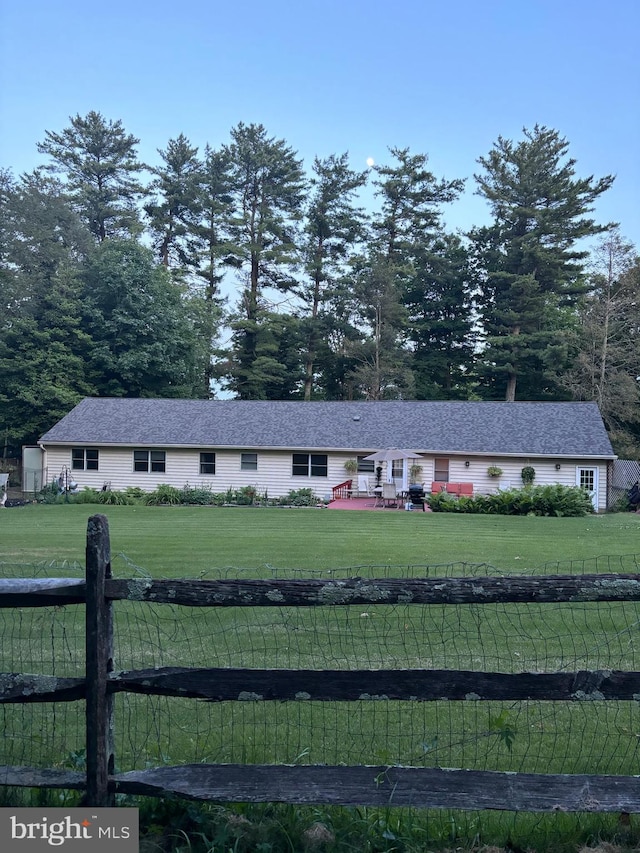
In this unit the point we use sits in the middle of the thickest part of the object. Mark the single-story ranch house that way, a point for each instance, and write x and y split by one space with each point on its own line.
281 446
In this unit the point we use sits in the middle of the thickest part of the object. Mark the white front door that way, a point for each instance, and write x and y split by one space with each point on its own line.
587 478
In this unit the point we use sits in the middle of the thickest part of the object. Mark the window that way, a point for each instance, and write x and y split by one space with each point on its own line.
248 461
365 466
149 460
587 478
207 463
309 465
441 469
84 459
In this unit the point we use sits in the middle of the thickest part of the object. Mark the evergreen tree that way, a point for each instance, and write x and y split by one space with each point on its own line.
409 218
215 251
268 191
276 372
98 161
334 228
440 320
174 211
530 268
411 205
382 369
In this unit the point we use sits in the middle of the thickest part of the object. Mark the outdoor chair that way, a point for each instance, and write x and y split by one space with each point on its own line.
365 488
389 494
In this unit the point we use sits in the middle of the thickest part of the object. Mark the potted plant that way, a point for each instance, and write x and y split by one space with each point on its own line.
415 472
528 475
494 471
351 467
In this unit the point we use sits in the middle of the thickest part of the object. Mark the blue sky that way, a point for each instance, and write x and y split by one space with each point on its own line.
442 78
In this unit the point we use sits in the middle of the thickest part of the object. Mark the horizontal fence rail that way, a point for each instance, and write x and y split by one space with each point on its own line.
285 685
316 593
313 784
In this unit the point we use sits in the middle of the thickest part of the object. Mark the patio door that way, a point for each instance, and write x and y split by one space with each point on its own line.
587 478
399 468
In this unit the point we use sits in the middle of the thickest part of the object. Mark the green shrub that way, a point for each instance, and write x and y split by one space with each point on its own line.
87 496
299 497
115 498
135 493
107 497
164 495
197 495
556 500
246 495
50 493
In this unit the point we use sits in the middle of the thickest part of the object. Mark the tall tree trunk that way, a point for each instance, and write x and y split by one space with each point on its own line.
313 336
512 377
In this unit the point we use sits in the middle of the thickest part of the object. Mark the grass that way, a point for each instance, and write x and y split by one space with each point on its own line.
187 541
197 541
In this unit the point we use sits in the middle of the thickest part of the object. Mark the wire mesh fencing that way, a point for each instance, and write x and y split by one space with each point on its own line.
587 736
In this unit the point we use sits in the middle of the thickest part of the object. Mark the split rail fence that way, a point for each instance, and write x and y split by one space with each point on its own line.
312 784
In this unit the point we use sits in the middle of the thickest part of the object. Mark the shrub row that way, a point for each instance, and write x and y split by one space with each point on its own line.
548 500
166 495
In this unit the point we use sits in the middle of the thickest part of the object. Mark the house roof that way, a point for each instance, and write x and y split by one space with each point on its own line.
530 429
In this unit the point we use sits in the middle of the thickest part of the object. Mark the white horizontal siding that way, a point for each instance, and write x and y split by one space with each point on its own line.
274 474
511 477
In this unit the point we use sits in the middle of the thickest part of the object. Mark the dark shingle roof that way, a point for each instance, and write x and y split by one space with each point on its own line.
556 429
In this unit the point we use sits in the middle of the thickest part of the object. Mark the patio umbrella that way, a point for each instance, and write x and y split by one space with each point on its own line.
392 453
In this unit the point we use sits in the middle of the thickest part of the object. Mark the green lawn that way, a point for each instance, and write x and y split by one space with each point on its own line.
188 542
185 541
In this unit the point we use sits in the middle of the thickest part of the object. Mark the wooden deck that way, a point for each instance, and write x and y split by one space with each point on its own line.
368 504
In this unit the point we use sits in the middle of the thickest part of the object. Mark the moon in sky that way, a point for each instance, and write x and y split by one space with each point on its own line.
370 161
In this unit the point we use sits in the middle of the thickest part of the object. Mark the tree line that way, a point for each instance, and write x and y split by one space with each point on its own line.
113 277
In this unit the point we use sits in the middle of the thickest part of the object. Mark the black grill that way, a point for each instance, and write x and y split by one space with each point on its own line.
416 496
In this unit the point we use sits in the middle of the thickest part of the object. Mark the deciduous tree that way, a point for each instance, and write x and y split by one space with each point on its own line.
606 368
43 346
141 329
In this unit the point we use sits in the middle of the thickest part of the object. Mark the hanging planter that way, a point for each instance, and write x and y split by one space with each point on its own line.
528 475
415 472
494 471
351 466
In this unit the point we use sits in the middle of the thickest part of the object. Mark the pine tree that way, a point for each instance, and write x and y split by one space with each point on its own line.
409 219
530 269
98 161
334 229
174 211
268 191
440 324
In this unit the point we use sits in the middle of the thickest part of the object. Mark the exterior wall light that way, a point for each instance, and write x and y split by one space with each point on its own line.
466 463
558 466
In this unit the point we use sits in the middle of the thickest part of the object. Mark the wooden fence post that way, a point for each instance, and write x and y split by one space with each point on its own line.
99 663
